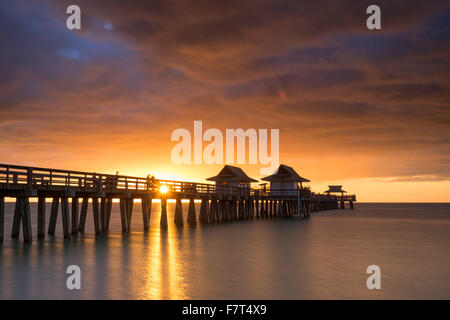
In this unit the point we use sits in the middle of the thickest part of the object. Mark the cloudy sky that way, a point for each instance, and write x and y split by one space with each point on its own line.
367 109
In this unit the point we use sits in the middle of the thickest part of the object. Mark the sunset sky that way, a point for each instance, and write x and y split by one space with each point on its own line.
366 109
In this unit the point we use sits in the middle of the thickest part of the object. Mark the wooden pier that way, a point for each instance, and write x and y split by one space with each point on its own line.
97 190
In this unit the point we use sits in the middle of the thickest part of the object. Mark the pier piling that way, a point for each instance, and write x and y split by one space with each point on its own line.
96 215
191 218
74 220
109 202
123 214
178 219
53 216
146 212
2 218
130 203
41 218
203 217
26 219
163 222
65 216
83 213
16 220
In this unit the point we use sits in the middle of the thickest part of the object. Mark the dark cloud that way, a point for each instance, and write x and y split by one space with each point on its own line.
406 91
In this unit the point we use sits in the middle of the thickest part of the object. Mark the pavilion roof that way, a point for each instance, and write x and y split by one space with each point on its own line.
285 173
232 174
337 189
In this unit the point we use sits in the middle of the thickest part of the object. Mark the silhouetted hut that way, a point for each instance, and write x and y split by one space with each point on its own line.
335 190
285 181
230 178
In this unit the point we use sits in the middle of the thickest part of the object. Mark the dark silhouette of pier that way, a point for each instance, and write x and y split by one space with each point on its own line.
219 202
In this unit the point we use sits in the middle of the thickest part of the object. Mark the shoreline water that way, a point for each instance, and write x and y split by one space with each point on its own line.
323 257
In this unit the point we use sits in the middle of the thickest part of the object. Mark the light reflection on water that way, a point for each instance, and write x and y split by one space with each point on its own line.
321 257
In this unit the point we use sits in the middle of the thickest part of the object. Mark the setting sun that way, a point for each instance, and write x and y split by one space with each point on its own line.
163 189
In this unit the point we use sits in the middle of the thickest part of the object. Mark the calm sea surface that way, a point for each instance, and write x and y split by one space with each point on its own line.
323 257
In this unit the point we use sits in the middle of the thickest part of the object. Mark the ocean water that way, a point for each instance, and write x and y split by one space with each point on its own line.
323 257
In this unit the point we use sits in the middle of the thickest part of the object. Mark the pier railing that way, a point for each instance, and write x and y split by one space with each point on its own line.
331 197
34 177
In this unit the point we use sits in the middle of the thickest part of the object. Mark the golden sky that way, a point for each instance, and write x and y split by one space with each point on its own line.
366 109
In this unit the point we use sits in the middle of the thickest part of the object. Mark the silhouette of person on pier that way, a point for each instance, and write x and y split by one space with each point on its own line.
150 181
97 182
116 179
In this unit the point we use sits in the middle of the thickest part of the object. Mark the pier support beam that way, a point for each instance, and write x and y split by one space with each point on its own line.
266 209
222 211
271 208
75 216
130 203
41 218
351 205
96 214
241 210
16 221
191 218
146 212
83 213
252 209
204 216
261 213
178 219
342 204
103 214
26 219
65 217
53 216
163 222
22 216
213 211
247 209
2 218
257 208
109 202
232 208
123 214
